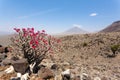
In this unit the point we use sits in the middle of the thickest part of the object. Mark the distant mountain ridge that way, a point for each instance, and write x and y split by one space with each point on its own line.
5 33
114 27
75 30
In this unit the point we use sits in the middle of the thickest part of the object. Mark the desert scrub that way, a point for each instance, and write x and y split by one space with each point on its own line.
115 48
84 44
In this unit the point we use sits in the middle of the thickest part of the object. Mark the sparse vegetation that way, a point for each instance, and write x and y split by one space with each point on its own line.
89 55
84 44
115 48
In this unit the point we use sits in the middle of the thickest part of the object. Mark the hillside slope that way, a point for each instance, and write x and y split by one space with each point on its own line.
94 53
91 54
114 27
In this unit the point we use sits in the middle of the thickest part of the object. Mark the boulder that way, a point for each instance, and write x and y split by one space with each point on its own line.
20 65
55 67
2 57
45 73
7 62
14 58
4 49
15 78
85 76
66 77
77 78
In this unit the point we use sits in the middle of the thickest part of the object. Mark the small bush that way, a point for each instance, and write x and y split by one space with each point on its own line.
115 48
84 44
34 45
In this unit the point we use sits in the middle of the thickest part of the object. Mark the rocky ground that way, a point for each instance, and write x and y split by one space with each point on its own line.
97 55
93 53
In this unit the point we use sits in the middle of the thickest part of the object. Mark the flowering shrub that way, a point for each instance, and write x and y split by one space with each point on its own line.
34 45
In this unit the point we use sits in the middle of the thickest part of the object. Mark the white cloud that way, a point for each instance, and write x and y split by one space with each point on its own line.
93 14
77 25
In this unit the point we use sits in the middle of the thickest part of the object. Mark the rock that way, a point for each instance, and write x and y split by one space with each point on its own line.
15 78
7 62
4 49
0 45
45 73
20 65
97 78
37 68
2 56
104 78
14 58
66 77
55 66
77 78
86 77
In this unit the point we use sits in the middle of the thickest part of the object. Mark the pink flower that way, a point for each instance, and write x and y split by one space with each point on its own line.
32 29
46 43
37 33
17 40
24 30
36 42
17 30
43 31
44 40
34 46
39 38
25 34
35 39
31 42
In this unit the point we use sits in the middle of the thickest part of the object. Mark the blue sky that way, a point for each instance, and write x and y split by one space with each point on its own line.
56 16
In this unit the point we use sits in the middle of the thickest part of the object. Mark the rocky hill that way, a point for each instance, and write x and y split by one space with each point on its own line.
114 27
98 54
